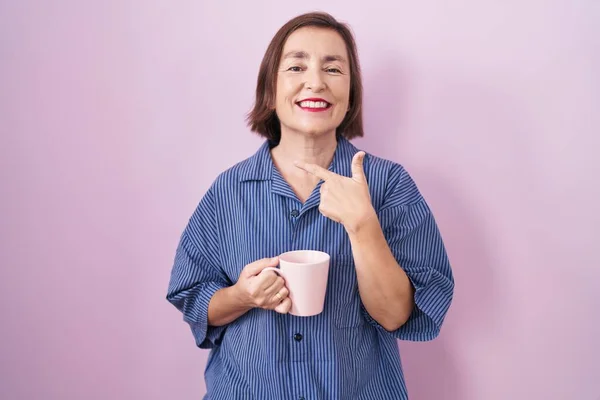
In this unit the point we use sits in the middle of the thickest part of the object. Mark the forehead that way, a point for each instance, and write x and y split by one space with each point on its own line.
317 42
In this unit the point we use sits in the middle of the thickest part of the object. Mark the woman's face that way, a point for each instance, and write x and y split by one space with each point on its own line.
313 82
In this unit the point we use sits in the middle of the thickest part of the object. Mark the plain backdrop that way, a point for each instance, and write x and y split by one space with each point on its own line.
116 116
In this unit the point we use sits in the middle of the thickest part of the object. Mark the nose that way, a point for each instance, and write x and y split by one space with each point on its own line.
314 80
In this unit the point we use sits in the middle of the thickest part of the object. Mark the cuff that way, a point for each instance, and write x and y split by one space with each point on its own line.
433 295
206 336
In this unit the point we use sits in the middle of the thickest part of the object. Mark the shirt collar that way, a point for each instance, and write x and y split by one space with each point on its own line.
260 166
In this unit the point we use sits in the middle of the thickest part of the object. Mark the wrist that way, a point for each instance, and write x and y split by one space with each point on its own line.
362 223
238 294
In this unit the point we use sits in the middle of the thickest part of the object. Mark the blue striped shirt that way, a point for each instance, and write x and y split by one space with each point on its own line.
249 213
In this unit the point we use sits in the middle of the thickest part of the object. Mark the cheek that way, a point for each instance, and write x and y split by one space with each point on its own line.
287 87
341 91
279 91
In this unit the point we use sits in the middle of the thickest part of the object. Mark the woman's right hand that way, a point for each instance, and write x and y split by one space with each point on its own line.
260 290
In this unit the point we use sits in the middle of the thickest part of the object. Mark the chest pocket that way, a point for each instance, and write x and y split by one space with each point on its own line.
342 290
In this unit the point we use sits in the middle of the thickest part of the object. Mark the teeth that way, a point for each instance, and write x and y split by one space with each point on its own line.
313 104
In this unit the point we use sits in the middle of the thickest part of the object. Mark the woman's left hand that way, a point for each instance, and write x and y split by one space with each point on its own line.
344 200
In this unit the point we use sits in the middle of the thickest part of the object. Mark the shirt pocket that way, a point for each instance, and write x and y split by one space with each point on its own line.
343 286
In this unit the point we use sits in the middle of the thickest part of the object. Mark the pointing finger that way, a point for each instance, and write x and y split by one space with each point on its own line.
316 170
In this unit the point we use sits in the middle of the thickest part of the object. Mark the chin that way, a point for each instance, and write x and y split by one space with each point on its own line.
316 131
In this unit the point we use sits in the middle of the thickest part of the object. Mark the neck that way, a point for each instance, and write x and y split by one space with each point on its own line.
317 150
295 147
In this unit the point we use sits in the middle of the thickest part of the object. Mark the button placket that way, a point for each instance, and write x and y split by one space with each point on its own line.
294 214
297 341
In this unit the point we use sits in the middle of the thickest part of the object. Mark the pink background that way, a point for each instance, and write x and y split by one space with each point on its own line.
115 116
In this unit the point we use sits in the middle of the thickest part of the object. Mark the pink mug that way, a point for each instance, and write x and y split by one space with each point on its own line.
305 273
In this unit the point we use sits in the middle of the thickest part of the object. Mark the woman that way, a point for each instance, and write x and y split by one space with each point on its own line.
307 187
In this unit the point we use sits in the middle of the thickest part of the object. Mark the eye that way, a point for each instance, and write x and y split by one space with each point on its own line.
294 68
333 70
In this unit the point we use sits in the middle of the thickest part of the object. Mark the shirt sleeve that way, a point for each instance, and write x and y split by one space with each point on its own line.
414 238
196 276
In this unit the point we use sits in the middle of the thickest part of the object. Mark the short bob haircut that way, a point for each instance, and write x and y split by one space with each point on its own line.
263 119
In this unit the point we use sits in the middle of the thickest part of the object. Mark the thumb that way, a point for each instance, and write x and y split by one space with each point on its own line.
358 172
256 267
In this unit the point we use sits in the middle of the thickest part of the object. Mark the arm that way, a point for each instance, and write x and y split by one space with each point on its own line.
209 302
196 278
201 290
193 283
226 306
385 289
252 290
404 275
415 241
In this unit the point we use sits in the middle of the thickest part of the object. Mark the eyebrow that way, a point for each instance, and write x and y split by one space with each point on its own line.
304 55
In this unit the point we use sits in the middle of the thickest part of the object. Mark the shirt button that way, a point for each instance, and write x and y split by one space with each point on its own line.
297 337
294 213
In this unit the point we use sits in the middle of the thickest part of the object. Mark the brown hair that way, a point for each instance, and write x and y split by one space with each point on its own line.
263 119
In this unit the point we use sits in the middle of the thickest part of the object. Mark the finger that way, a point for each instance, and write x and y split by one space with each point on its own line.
256 267
316 170
279 297
358 172
265 279
275 286
283 293
284 306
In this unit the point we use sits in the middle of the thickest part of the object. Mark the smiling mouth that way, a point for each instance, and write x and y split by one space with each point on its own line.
313 105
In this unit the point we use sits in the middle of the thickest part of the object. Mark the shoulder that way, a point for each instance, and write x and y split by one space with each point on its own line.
222 192
391 181
223 187
232 176
257 167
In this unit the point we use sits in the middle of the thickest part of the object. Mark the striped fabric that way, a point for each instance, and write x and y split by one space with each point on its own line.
250 213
